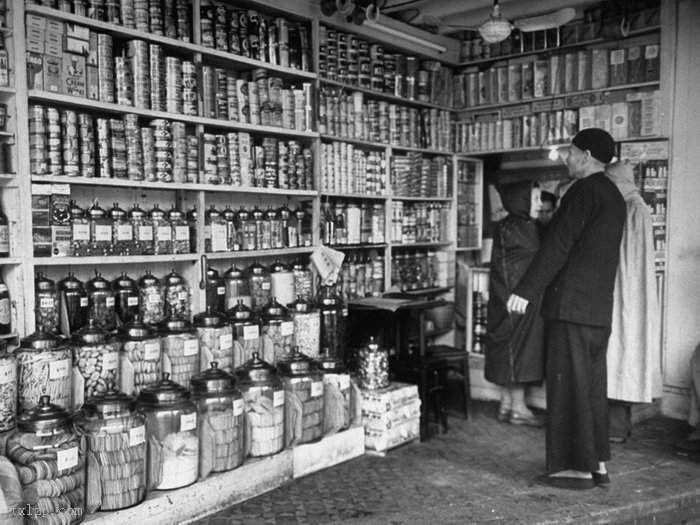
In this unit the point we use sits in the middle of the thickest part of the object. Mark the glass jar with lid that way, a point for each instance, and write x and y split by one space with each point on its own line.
126 299
303 280
303 394
44 368
80 231
307 327
373 366
262 229
151 299
246 333
215 340
100 231
282 283
192 224
273 219
237 287
338 406
177 296
215 291
101 302
180 349
162 231
140 357
215 231
171 427
260 286
74 303
122 231
288 227
263 402
8 388
305 226
142 228
231 234
46 304
95 362
49 456
221 420
116 447
334 321
277 331
245 229
180 231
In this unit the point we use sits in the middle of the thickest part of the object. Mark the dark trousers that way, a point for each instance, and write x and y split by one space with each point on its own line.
577 404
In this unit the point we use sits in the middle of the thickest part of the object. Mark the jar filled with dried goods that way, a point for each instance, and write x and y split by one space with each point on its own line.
245 229
373 366
73 301
307 327
101 302
215 231
126 299
95 363
46 305
80 231
246 333
304 226
263 401
337 395
215 340
151 299
303 395
116 451
140 357
8 389
49 455
143 231
215 290
334 321
122 231
44 368
171 427
231 235
100 231
260 286
162 231
277 331
180 349
221 421
177 296
275 225
282 283
303 280
262 229
237 287
181 231
288 227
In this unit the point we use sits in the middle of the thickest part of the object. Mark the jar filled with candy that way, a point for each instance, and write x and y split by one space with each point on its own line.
101 302
46 305
44 368
140 357
95 363
180 347
151 299
277 331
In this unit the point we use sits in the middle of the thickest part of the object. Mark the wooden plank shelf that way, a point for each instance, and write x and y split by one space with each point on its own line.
357 142
426 151
115 259
361 196
410 245
421 199
252 254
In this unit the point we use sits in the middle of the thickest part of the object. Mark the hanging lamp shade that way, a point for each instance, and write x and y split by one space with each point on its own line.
496 28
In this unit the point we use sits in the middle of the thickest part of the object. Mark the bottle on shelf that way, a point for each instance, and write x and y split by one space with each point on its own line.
4 235
5 309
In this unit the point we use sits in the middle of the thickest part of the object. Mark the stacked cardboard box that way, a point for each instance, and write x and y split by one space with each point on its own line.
391 416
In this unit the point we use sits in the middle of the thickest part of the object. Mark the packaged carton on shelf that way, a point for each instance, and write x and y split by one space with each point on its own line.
515 82
556 74
600 68
35 71
77 39
583 71
502 80
387 399
483 88
618 67
651 63
586 117
635 65
651 101
92 83
35 44
603 117
74 75
528 80
35 21
382 421
60 220
384 440
619 120
52 73
570 72
53 49
541 78
41 219
55 26
634 118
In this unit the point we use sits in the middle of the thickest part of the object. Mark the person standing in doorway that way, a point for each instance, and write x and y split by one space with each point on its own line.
575 268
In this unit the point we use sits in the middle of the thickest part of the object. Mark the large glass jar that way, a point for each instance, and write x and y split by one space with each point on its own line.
237 287
116 451
262 229
46 304
192 224
171 427
215 340
151 299
126 299
49 456
307 327
162 231
101 302
140 357
177 296
305 227
282 283
215 291
277 331
334 320
44 368
143 231
231 234
181 231
221 421
80 231
303 394
303 280
373 366
8 389
246 333
215 231
74 303
260 286
337 395
100 231
122 231
288 227
275 225
245 229
263 399
95 363
180 349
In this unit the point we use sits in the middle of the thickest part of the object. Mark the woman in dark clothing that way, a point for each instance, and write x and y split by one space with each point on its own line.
514 343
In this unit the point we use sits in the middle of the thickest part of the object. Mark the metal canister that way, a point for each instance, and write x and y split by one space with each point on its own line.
137 54
157 76
163 149
73 303
307 327
282 283
189 88
173 85
237 287
71 149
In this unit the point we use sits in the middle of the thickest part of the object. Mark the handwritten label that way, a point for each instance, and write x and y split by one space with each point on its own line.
103 233
191 347
164 233
237 407
145 233
221 290
137 435
46 302
182 233
8 374
81 232
153 298
183 295
265 285
66 459
219 238
316 389
83 302
287 328
132 301
111 361
151 351
343 381
278 398
226 341
251 332
59 369
125 232
188 422
109 302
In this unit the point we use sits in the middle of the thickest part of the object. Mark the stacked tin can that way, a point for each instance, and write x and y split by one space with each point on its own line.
134 153
189 88
38 145
105 71
137 53
124 82
162 147
156 61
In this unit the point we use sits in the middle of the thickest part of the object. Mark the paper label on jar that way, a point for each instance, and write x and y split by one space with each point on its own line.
287 328
151 351
125 232
265 285
278 398
226 341
145 233
44 433
103 233
251 332
137 435
109 302
219 238
66 459
188 422
343 381
221 290
111 361
59 369
83 302
132 301
237 407
345 312
8 374
165 233
316 389
81 232
182 233
183 295
46 302
153 298
191 347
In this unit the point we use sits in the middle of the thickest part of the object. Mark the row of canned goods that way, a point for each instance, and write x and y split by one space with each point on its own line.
414 175
350 115
419 221
248 33
352 223
346 168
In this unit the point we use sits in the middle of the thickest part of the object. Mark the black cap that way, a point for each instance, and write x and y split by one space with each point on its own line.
598 142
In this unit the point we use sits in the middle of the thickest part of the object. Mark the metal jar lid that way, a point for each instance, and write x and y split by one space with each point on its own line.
330 365
124 282
116 213
71 283
208 319
40 341
164 392
271 214
175 325
284 213
242 214
274 310
228 214
98 283
148 280
44 418
278 267
300 214
136 331
90 334
372 345
213 381
192 214
173 279
136 213
300 265
257 269
176 215
109 405
95 212
76 212
43 283
327 299
300 306
156 212
240 312
235 274
212 213
257 372
296 364
258 214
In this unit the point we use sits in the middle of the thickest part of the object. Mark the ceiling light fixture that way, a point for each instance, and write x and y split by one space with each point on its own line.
496 28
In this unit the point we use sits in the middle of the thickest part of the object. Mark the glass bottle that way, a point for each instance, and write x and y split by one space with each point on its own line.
126 299
73 302
288 227
229 216
215 291
373 366
307 327
100 231
95 363
215 340
328 228
245 229
43 367
237 287
46 304
282 283
151 299
260 286
101 302
246 333
304 226
140 357
192 224
180 231
215 231
8 389
143 231
303 280
334 318
180 349
122 231
4 235
275 227
80 231
177 296
262 237
162 231
341 230
337 395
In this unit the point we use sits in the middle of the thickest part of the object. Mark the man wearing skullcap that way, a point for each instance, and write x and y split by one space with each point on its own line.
575 269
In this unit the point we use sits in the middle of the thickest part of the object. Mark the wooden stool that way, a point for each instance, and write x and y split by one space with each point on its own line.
457 361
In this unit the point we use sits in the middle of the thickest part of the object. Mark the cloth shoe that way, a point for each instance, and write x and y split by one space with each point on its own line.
601 479
530 420
565 482
504 415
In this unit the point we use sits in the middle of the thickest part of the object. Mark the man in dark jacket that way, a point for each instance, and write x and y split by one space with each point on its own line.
575 267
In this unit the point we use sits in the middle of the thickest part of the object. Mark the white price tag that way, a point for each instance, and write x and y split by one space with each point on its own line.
111 361
343 381
183 295
103 233
278 398
151 351
132 301
8 374
237 407
109 301
46 302
316 389
287 328
66 459
165 233
125 232
221 290
182 233
188 422
265 285
345 312
191 347
153 298
617 57
59 369
137 435
226 341
83 302
251 332
145 233
219 238
81 232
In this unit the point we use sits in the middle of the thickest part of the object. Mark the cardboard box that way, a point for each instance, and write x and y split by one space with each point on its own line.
92 57
35 71
76 46
619 120
652 70
35 34
570 72
603 117
618 67
583 71
56 26
93 87
541 78
55 50
73 75
599 68
52 74
586 117
60 220
34 46
528 80
556 74
53 37
635 65
515 82
35 21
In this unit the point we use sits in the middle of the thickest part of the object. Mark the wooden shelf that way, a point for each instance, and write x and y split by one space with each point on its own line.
421 150
5 337
377 246
8 261
357 142
251 254
467 248
421 244
360 196
421 199
548 146
114 259
8 90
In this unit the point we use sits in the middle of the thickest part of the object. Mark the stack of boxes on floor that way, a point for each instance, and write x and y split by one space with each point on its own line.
391 416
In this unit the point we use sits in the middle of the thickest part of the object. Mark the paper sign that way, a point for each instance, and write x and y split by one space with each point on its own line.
251 332
188 422
59 369
316 389
191 347
137 435
66 459
151 351
226 341
278 398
